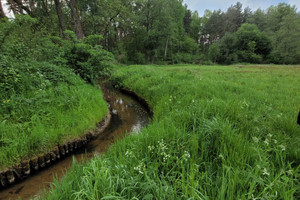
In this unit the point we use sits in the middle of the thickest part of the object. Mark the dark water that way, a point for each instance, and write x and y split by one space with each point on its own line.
127 115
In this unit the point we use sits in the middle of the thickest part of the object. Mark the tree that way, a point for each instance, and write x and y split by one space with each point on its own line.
228 48
195 27
2 13
187 20
19 4
288 37
76 19
214 52
234 18
258 18
213 29
60 17
252 43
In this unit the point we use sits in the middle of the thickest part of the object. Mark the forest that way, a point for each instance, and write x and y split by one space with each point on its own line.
220 92
164 31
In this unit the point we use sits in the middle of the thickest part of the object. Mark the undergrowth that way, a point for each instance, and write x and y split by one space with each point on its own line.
42 105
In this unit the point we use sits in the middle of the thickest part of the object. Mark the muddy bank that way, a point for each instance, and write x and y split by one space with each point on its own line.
128 113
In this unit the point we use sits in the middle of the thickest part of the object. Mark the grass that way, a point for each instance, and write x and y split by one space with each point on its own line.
43 105
219 132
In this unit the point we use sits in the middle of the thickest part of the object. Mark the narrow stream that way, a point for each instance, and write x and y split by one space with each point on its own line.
127 115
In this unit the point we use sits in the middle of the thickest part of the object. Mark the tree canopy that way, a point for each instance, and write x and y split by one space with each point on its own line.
167 31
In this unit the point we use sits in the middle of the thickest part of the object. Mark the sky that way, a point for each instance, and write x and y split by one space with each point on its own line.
202 5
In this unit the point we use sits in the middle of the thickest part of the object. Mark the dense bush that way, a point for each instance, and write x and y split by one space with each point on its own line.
23 39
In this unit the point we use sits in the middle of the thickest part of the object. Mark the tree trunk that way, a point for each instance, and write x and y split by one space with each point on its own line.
166 48
22 7
60 18
13 7
2 13
76 19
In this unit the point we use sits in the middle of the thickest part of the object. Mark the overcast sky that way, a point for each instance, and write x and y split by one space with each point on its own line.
202 5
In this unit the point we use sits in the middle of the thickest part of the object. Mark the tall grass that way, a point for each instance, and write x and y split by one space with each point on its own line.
218 133
43 105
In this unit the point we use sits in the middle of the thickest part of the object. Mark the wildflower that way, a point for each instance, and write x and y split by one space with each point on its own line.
265 172
139 168
151 148
162 145
128 153
290 172
166 157
270 135
193 101
282 147
186 155
266 141
221 156
255 139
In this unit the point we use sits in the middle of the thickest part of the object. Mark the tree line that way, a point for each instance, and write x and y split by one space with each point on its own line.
167 31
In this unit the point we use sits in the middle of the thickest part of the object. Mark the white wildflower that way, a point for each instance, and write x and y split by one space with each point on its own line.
290 172
282 147
128 153
186 155
266 141
265 172
151 148
140 168
166 157
270 135
255 139
162 145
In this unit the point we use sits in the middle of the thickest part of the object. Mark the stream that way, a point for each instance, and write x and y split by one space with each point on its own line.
128 115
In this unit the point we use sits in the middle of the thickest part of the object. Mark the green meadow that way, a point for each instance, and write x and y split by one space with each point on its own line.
218 132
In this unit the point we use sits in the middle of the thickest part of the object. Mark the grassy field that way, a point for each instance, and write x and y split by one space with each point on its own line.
42 105
219 132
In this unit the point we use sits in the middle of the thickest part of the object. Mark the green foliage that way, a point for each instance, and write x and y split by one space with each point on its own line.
227 46
253 42
93 40
41 106
248 44
219 132
88 61
18 37
214 52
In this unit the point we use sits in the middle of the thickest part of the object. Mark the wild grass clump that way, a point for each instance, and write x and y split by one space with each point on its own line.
217 133
42 105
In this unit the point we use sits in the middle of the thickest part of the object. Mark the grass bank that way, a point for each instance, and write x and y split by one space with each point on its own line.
219 132
43 105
